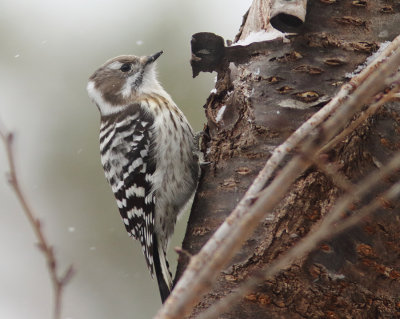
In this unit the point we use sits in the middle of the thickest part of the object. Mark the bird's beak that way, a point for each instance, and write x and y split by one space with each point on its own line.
151 58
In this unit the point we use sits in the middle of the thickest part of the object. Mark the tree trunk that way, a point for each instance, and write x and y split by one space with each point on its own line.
264 92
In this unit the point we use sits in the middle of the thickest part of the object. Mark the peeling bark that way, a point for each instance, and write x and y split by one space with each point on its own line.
264 92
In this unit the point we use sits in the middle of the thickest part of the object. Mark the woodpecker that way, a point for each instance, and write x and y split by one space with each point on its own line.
148 153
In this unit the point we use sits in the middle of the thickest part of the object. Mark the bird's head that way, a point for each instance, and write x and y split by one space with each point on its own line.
122 81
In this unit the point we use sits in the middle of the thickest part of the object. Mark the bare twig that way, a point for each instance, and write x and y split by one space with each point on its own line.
58 281
217 252
331 171
372 109
391 194
181 251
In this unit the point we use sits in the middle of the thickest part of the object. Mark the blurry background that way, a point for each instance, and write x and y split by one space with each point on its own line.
48 49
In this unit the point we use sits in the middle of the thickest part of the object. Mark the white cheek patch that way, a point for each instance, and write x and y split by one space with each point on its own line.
104 107
126 90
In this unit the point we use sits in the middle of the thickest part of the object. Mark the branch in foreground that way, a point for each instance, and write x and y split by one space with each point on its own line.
372 109
328 227
58 282
217 252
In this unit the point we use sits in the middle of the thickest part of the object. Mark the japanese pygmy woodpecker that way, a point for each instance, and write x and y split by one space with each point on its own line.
148 153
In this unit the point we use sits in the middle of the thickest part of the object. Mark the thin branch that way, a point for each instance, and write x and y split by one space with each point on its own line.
372 109
216 253
331 171
58 282
391 194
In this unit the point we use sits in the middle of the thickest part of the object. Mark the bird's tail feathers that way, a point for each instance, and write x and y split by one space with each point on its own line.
164 276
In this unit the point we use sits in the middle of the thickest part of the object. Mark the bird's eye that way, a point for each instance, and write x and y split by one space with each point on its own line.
125 67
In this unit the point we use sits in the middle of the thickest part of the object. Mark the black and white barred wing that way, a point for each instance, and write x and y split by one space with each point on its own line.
125 142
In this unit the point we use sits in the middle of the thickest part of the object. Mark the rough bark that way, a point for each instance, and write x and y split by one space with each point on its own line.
268 90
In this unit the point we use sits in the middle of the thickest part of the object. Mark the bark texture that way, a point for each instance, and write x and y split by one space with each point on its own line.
263 93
